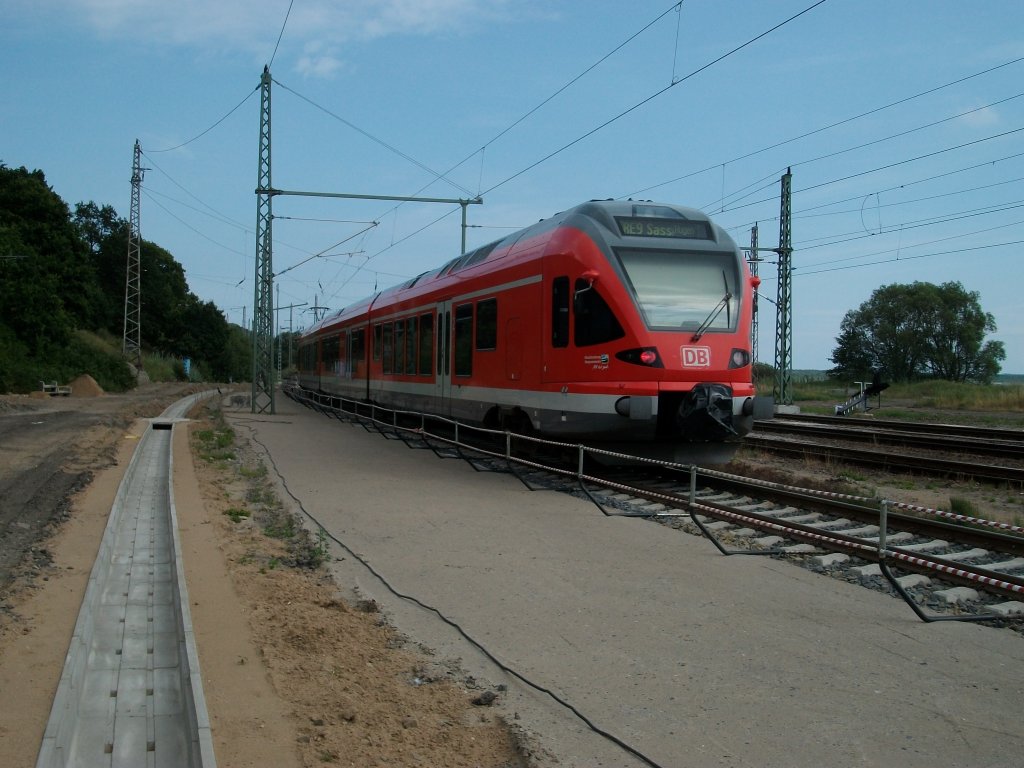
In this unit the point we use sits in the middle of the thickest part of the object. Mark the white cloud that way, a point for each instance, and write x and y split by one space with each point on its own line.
314 38
981 118
252 26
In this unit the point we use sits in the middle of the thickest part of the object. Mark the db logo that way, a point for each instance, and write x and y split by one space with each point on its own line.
696 357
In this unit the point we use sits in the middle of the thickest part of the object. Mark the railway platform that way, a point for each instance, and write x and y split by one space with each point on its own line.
689 658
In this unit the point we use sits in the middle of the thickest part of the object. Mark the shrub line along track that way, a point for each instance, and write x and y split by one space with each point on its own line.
675 499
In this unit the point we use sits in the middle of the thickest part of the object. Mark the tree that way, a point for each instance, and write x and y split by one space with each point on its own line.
106 235
910 332
48 287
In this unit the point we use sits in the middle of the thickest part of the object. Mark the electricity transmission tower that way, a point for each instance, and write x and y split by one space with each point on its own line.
263 301
132 347
753 262
784 324
263 368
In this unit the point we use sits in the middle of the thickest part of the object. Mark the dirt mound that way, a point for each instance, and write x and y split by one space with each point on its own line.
85 386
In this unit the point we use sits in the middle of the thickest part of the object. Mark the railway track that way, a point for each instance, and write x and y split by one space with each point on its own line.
914 427
954 565
1005 443
890 461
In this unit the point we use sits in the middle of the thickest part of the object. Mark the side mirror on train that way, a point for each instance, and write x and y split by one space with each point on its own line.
589 277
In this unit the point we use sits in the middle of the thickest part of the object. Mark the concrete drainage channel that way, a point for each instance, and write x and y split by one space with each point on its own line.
131 693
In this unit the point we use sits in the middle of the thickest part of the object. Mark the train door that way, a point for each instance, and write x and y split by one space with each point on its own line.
443 379
557 350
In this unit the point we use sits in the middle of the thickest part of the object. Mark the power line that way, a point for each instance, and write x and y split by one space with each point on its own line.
801 273
917 224
904 185
199 136
371 137
827 127
903 202
281 33
917 245
653 96
838 152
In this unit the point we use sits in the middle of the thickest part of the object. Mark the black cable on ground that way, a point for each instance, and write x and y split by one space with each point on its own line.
505 668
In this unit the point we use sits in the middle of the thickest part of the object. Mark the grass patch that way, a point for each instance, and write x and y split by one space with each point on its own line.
215 444
961 506
253 472
237 514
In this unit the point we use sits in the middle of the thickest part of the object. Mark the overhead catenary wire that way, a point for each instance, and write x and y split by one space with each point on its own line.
864 145
824 128
200 135
653 96
911 246
284 24
803 273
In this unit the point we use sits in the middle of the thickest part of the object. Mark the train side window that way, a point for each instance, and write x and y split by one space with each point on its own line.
387 347
331 352
410 345
426 344
595 321
464 340
487 324
358 352
378 337
447 342
560 312
399 346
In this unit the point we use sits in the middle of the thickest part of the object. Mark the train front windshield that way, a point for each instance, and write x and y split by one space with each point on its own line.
677 290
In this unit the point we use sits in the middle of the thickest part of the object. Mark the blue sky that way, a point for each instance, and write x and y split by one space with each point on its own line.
508 99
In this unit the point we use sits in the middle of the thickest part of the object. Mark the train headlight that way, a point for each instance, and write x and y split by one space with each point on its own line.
641 356
739 358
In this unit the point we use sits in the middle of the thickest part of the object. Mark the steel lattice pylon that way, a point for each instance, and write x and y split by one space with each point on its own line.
754 260
132 347
784 324
263 301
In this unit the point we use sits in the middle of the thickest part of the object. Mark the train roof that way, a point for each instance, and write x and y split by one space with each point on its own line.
604 212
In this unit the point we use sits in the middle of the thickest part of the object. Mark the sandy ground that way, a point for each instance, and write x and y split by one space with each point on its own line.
293 675
302 666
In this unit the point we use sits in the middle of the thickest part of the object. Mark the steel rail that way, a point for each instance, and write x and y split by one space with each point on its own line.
888 461
979 446
920 427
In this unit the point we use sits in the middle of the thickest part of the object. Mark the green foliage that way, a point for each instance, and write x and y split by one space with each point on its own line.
911 332
961 506
64 273
237 514
764 377
84 354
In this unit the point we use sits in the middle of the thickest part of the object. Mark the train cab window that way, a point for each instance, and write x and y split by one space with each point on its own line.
487 324
399 346
387 347
674 293
410 345
595 321
378 336
560 312
464 340
426 350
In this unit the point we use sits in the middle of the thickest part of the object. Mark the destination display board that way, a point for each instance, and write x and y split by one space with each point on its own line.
642 226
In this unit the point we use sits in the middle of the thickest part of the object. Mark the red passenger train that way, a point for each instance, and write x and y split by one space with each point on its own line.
619 323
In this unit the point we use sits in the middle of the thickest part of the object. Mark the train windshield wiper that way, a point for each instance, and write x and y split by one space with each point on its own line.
723 303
